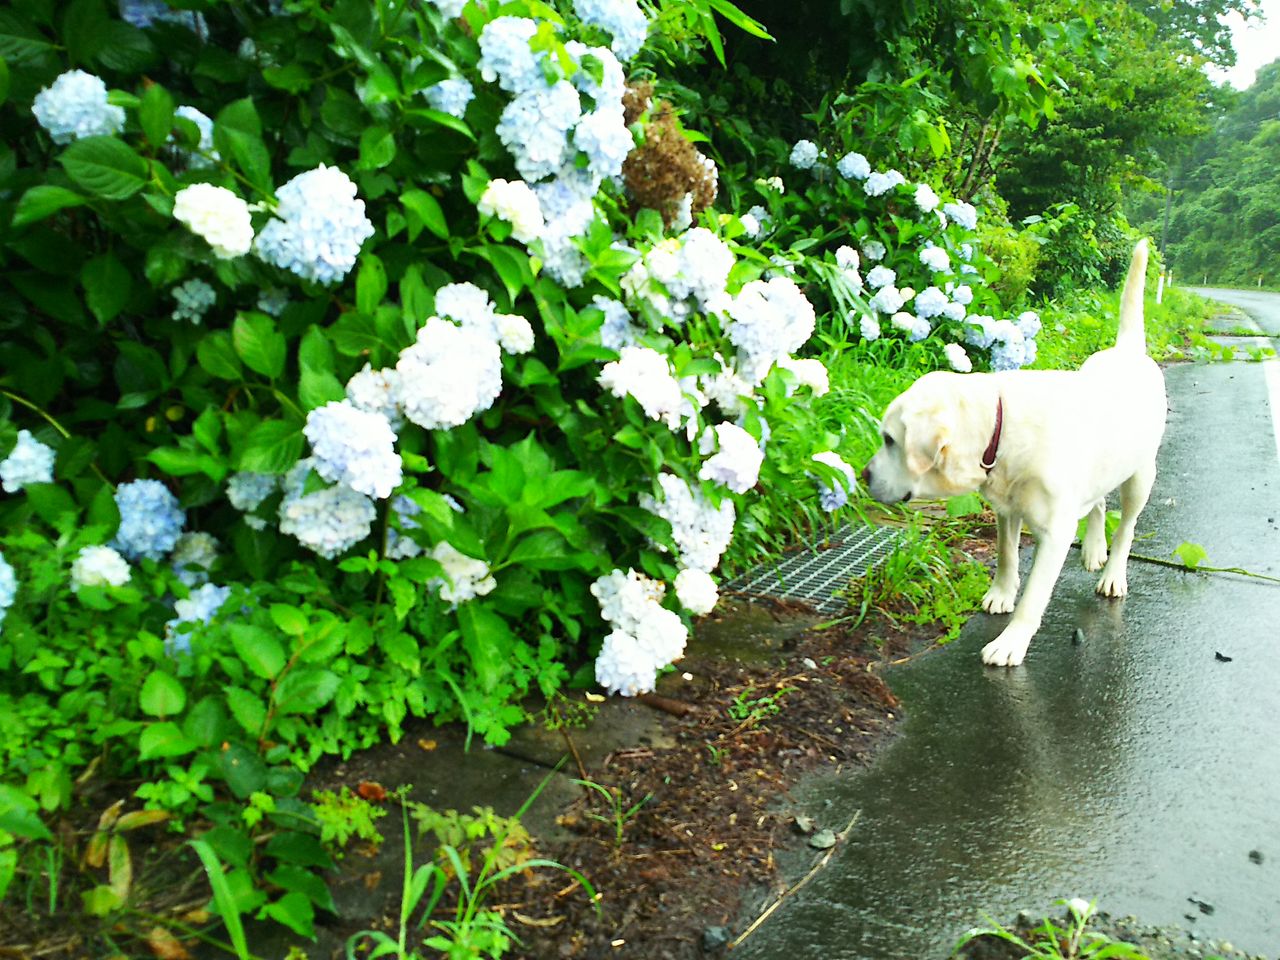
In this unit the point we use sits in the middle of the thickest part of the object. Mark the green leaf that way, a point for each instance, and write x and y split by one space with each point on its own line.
216 355
163 739
107 286
259 650
488 642
315 352
304 849
248 708
18 816
258 343
43 201
1191 554
423 210
244 771
296 879
292 77
294 911
316 388
155 114
377 148
222 896
237 133
289 619
19 40
371 283
106 167
162 695
306 690
4 95
84 29
272 446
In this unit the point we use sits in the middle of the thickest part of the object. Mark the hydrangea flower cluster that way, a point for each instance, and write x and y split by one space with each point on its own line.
8 587
694 266
936 259
853 166
645 374
622 18
99 566
771 320
204 155
961 213
247 491
646 636
701 530
198 607
328 521
833 498
957 358
354 447
74 106
399 545
804 154
193 298
1010 347
318 227
218 216
696 591
30 461
448 375
516 203
150 519
193 557
146 13
878 183
465 577
375 391
736 462
450 96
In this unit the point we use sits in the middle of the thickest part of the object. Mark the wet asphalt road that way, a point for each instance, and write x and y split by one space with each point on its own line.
1138 768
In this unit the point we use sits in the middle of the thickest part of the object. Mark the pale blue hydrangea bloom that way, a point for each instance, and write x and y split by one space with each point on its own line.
772 319
1029 323
355 447
151 519
604 137
204 155
853 166
804 154
448 375
954 311
375 391
930 302
146 13
328 521
246 491
1011 355
566 203
873 250
736 462
962 214
979 331
612 85
194 297
193 557
880 276
833 498
535 127
869 327
400 546
318 228
618 330
450 96
505 54
452 9
881 183
30 461
936 259
273 300
919 330
622 18
8 587
198 607
700 530
74 106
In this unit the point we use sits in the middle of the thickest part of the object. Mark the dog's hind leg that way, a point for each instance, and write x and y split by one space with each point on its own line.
1094 549
1004 585
1009 648
1133 497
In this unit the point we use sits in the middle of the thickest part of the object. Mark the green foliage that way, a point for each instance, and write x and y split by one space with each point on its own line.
619 813
1067 939
749 709
344 815
503 840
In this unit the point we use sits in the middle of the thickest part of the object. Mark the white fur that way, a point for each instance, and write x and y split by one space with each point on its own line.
1068 439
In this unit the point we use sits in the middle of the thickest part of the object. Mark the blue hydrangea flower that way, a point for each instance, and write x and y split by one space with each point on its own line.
146 13
74 106
150 519
450 96
604 137
623 19
199 607
8 587
535 127
505 54
869 326
318 228
30 462
194 298
204 155
327 521
355 447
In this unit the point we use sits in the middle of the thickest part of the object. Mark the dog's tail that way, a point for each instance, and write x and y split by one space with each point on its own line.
1132 333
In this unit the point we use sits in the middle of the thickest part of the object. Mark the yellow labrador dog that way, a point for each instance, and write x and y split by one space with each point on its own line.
1044 447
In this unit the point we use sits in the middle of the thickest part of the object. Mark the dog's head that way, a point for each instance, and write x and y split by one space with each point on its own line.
933 438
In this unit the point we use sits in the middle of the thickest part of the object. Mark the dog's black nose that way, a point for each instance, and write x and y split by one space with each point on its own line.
865 475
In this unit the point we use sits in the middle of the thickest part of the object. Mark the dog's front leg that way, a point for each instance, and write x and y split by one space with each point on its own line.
1093 551
1004 585
1010 647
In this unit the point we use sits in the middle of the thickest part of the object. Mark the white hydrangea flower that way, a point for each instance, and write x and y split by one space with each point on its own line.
515 202
246 491
450 9
318 228
887 300
809 372
646 636
624 597
622 18
869 326
465 577
847 258
962 295
99 567
727 389
736 463
936 259
930 302
354 447
8 587
853 166
954 311
328 521
374 391
697 591
873 250
448 375
1029 323
804 154
645 374
74 106
218 216
193 557
622 667
750 225
833 498
401 546
204 155
618 330
879 183
700 530
881 276
926 199
198 607
515 333
30 461
534 127
771 319
465 304
963 214
957 358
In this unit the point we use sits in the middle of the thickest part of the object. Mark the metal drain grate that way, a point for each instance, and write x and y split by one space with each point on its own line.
814 575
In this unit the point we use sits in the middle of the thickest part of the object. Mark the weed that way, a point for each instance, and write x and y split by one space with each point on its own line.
562 713
345 815
715 755
1066 939
509 843
618 817
749 710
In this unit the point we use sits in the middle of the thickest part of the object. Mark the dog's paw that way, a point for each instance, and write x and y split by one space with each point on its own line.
1114 583
997 600
1007 650
1094 559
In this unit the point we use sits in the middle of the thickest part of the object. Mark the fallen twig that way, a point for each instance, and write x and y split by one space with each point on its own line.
677 708
822 862
1201 567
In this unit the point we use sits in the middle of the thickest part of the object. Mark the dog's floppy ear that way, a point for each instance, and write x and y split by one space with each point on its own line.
925 441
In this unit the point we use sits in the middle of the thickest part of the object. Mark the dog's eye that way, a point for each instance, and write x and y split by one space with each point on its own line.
888 440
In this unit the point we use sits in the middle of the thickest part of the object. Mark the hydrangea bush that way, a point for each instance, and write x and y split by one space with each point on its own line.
350 382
